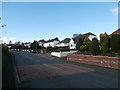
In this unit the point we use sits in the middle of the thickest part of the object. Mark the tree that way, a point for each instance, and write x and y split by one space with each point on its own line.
16 46
79 43
94 46
34 46
85 46
115 42
104 42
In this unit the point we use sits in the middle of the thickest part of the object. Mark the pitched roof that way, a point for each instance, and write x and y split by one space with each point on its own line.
42 40
86 35
66 40
116 32
51 40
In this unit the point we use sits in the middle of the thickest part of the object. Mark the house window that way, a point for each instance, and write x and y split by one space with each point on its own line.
71 45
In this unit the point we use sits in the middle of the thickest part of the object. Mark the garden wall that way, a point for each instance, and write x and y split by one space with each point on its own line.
105 61
59 54
62 53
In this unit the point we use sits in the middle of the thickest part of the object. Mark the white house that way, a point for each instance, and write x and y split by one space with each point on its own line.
41 42
64 43
72 44
86 35
76 38
51 42
27 44
91 37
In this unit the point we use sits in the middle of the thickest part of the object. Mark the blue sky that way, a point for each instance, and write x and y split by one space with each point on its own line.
47 20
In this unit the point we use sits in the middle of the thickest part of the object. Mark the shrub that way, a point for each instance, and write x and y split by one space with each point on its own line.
104 42
49 49
94 46
115 42
85 46
79 43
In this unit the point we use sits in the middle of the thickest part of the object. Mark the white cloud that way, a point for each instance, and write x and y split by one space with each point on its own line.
115 11
7 39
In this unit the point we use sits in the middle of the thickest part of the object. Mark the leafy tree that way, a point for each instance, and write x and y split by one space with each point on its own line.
16 46
86 41
85 46
115 42
34 46
79 43
94 46
104 42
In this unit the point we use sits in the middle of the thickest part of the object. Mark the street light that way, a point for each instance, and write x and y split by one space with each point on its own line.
1 26
2 34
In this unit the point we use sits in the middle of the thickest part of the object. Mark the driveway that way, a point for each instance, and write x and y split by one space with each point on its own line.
43 71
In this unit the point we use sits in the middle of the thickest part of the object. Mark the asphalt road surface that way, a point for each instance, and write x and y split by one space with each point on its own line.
38 71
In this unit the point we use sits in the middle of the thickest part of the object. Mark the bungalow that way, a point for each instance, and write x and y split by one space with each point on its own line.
64 43
51 42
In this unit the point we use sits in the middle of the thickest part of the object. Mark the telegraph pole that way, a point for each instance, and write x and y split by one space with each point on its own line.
36 42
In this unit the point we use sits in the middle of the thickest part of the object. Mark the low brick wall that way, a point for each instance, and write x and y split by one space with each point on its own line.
111 62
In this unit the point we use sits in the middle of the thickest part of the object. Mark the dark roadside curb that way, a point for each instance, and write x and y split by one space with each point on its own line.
16 75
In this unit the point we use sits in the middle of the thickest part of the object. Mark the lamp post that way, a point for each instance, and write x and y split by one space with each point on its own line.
1 29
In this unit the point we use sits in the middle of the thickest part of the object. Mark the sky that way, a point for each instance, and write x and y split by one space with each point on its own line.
28 21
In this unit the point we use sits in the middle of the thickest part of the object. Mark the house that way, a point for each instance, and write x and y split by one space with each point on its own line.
86 35
76 38
51 42
27 44
115 32
41 42
64 43
72 44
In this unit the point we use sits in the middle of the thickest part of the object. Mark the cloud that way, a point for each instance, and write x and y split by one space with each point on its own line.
115 11
7 39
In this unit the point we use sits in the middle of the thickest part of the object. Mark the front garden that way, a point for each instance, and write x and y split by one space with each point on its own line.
106 46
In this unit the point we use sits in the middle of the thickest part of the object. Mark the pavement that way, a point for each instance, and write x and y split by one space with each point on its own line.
45 71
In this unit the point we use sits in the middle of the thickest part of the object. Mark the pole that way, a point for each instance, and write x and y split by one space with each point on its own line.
36 42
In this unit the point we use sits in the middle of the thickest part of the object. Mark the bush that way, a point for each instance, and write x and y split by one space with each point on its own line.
115 42
84 48
112 54
79 43
94 46
57 49
49 49
104 42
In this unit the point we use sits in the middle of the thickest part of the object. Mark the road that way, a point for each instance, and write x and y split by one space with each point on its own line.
38 71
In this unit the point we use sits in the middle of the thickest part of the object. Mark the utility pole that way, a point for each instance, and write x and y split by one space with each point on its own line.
36 42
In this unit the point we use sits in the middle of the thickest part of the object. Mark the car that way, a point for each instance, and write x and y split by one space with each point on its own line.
33 51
